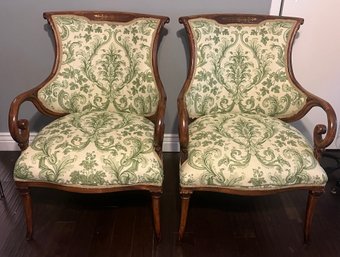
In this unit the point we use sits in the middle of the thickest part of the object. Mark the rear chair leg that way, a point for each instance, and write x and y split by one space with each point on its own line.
156 214
185 200
313 197
27 200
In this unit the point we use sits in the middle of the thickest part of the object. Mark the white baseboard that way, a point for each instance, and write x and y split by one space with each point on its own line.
170 142
8 144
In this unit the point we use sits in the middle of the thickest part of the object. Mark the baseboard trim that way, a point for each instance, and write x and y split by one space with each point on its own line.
170 142
8 144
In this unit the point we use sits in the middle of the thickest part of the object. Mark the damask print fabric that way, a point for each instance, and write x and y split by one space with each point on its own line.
246 151
242 68
93 149
105 66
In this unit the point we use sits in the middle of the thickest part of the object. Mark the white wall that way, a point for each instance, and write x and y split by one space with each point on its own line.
316 54
275 7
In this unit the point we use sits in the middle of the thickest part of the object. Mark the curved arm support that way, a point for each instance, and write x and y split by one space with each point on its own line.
323 135
159 126
19 128
158 136
183 129
329 131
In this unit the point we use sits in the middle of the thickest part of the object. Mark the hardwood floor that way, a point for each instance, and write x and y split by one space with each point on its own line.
120 224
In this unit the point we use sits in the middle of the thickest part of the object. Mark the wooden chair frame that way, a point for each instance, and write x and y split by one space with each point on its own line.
19 128
322 137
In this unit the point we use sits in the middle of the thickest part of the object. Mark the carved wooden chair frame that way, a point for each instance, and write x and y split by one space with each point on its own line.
19 128
323 134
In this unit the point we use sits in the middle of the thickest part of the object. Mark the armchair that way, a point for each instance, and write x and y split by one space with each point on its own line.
234 109
106 94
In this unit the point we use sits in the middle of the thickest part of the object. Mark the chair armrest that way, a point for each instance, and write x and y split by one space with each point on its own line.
158 136
183 129
19 128
323 135
158 120
320 142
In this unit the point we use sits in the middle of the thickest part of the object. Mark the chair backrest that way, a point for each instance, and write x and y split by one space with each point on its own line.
241 63
104 61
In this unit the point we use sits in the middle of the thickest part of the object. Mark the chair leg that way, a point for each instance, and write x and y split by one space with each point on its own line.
156 214
185 200
2 195
27 200
313 196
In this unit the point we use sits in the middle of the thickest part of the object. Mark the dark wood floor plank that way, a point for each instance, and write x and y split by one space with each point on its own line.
102 239
143 238
81 239
123 232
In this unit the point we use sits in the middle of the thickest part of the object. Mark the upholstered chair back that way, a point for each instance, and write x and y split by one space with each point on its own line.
242 68
103 66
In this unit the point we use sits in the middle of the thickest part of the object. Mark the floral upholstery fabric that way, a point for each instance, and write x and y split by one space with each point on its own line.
97 148
242 68
105 66
246 151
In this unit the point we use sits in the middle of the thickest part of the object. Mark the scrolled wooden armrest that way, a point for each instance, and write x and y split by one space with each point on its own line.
19 128
158 136
329 131
158 120
183 130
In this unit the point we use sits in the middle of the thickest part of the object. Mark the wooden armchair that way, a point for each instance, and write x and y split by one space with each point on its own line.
234 109
106 93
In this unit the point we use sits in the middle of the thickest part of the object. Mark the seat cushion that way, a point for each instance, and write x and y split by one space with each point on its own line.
250 152
96 149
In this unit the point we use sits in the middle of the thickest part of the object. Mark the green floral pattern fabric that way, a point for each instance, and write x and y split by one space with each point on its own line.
242 68
247 151
105 66
97 148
